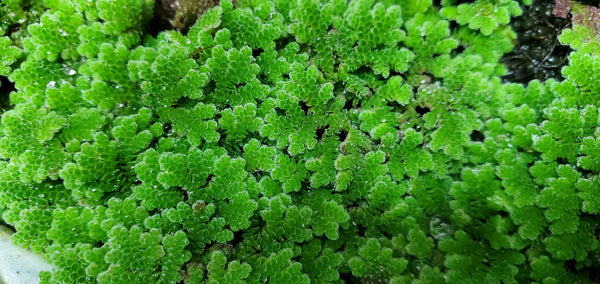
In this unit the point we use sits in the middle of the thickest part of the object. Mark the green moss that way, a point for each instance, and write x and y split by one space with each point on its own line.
300 141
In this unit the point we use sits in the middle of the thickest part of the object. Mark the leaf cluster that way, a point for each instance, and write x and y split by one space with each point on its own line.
304 141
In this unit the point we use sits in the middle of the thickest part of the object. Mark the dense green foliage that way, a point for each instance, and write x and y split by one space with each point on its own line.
298 141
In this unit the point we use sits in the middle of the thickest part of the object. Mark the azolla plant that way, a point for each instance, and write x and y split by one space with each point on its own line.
298 141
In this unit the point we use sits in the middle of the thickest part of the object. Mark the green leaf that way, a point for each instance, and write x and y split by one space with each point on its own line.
289 172
453 133
590 148
142 258
259 157
589 190
328 216
54 35
8 55
375 259
286 220
419 244
483 15
173 170
235 272
321 262
396 91
280 267
116 19
175 256
561 203
240 121
239 210
575 245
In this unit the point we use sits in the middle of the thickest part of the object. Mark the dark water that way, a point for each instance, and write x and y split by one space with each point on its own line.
538 54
